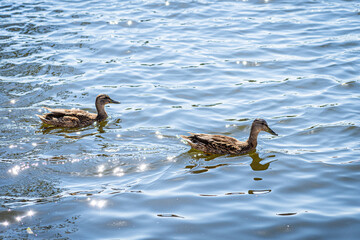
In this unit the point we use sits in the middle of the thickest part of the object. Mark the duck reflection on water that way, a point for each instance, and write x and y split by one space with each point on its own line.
74 133
198 167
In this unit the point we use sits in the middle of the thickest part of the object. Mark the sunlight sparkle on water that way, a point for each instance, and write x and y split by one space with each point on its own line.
167 3
12 101
101 168
129 22
159 135
142 167
171 158
6 223
118 172
30 213
114 22
15 170
98 203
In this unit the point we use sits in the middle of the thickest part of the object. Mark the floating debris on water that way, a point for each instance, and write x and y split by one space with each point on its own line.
29 231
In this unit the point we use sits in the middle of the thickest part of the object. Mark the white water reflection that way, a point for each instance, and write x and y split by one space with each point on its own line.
30 213
143 167
159 135
15 170
118 172
5 223
171 158
97 203
113 22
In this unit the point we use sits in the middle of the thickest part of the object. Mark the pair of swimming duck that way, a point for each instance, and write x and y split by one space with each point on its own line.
208 143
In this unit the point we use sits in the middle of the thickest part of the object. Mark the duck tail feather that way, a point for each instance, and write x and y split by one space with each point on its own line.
49 109
43 119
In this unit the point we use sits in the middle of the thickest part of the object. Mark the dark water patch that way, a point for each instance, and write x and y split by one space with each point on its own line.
20 53
4 37
32 29
5 16
36 9
54 230
235 193
18 25
21 193
57 11
36 69
169 215
286 214
5 6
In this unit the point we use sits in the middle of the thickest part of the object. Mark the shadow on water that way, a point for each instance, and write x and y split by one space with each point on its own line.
196 155
48 129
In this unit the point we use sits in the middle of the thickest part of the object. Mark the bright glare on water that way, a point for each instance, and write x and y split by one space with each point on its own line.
176 67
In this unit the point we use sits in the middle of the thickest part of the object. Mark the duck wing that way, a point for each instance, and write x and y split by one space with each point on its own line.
217 144
63 121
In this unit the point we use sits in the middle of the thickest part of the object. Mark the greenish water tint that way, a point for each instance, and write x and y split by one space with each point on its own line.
179 66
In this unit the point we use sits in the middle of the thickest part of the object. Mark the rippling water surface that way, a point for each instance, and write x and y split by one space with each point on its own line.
178 66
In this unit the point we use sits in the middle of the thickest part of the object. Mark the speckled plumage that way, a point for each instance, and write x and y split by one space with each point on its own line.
219 144
76 117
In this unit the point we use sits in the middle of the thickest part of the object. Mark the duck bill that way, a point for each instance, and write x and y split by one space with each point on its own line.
269 130
113 101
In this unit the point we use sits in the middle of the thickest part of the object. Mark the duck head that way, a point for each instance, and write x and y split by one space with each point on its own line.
261 125
104 99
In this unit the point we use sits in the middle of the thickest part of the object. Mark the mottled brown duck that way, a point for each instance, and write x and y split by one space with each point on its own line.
75 117
219 144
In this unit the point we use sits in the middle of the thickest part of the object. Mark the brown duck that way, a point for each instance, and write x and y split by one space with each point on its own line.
219 144
76 117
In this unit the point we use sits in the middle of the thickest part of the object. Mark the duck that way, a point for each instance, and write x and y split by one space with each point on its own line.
220 144
72 118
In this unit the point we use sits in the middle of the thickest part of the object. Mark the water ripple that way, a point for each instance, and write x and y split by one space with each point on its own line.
177 67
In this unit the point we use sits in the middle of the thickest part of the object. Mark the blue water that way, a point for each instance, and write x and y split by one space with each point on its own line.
177 67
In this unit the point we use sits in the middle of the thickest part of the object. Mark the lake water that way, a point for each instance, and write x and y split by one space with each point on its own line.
180 66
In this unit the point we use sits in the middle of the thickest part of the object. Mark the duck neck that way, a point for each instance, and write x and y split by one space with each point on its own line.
252 141
101 116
